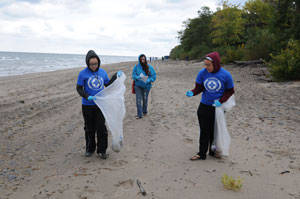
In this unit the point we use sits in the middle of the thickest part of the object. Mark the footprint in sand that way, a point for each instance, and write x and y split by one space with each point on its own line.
125 184
119 163
122 187
188 140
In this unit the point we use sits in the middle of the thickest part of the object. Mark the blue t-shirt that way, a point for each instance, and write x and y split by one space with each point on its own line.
214 83
92 82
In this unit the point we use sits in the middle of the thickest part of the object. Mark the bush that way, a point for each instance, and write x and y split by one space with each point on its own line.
198 52
286 65
176 52
230 53
260 44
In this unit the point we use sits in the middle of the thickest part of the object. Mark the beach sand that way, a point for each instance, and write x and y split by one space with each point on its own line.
42 141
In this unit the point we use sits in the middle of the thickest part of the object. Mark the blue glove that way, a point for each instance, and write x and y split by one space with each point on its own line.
148 80
217 103
137 77
119 73
91 98
189 93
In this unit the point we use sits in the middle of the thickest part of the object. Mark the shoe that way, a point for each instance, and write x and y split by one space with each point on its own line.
215 155
88 154
137 117
103 155
145 114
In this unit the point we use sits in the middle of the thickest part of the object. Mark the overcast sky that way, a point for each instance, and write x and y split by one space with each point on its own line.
110 27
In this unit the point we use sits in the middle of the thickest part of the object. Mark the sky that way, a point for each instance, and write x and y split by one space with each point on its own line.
110 27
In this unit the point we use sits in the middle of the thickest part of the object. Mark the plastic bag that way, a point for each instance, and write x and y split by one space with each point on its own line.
111 101
143 77
221 136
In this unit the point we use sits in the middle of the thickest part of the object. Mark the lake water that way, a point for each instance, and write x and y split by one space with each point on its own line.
19 63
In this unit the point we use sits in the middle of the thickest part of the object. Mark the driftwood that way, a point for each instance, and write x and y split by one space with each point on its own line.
245 63
142 190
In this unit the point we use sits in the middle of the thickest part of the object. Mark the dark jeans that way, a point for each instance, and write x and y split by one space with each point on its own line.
94 123
141 97
206 118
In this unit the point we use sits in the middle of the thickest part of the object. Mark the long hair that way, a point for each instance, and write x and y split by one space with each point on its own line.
145 65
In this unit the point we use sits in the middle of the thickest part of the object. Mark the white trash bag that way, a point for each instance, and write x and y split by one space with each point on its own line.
221 136
111 101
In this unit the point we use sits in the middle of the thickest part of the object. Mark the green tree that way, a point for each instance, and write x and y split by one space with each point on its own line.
228 26
195 37
258 14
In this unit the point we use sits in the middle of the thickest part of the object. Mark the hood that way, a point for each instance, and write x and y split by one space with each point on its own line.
140 56
92 54
216 60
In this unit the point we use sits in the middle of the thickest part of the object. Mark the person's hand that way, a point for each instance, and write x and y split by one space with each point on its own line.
119 73
91 98
189 93
137 77
148 80
217 103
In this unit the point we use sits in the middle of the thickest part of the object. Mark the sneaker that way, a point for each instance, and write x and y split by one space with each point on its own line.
137 117
102 155
145 114
88 154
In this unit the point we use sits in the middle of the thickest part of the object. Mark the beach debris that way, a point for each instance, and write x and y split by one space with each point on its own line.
231 183
247 171
250 62
142 190
283 172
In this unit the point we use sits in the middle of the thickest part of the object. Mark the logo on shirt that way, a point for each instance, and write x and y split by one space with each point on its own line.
95 83
212 84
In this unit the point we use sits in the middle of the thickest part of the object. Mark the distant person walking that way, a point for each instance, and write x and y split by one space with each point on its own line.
144 75
217 86
92 80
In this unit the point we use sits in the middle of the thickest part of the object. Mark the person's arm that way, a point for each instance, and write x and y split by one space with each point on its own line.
226 95
81 91
152 76
112 79
134 74
198 88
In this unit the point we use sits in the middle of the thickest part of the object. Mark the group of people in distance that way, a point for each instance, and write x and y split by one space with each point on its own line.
214 82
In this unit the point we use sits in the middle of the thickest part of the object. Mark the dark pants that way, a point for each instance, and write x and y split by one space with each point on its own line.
141 97
94 123
206 118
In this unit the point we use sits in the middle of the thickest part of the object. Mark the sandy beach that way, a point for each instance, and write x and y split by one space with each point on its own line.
42 141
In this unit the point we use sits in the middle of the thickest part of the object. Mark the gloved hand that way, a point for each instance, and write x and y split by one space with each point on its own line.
217 103
148 80
189 93
137 77
91 98
119 73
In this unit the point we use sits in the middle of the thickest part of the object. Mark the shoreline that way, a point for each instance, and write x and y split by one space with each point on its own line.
42 139
64 69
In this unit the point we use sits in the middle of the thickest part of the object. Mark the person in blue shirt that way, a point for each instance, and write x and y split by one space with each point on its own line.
144 75
216 85
92 80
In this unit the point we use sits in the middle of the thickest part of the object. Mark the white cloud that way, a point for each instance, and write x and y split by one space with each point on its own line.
114 27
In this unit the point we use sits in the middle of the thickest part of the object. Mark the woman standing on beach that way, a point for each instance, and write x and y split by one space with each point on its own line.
143 74
92 80
217 86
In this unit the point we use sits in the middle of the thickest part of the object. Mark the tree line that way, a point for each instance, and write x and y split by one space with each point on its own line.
261 29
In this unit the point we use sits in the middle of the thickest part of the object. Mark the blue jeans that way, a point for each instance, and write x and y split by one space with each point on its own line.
141 95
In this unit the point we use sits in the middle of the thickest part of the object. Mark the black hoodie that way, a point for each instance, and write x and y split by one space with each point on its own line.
92 54
89 55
